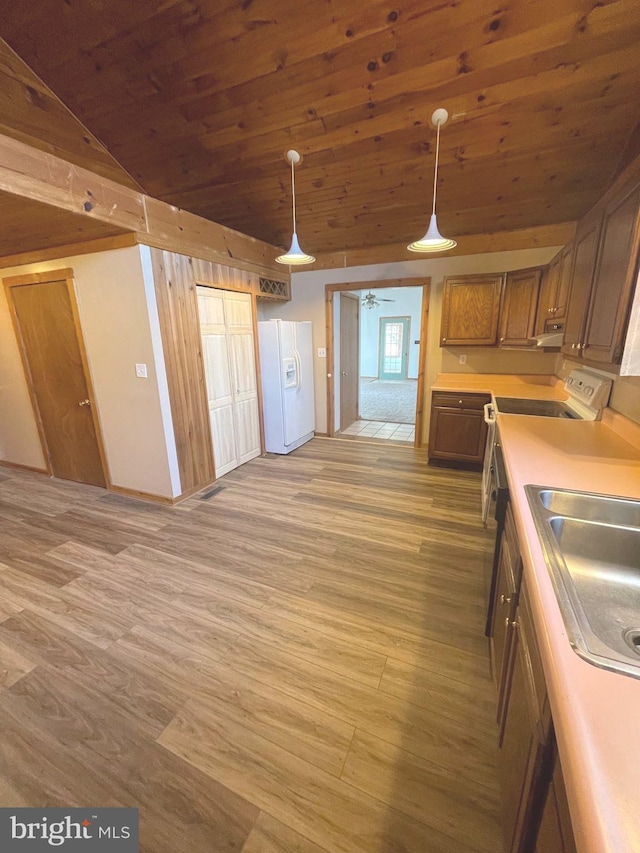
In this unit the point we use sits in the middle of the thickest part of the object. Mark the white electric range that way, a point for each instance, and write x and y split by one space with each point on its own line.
588 395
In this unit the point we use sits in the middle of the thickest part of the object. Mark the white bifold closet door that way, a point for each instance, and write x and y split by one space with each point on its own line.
228 349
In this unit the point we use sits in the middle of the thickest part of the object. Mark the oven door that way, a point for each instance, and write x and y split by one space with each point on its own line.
488 473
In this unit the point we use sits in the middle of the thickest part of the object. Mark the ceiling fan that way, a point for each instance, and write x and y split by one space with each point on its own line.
370 300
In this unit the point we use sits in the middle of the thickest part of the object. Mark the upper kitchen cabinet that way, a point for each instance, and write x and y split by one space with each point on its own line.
470 310
554 291
614 279
602 281
518 312
586 249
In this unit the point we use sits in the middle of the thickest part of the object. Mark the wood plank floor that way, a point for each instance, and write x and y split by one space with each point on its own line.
295 665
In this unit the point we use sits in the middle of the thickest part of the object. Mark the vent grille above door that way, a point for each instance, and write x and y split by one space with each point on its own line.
274 289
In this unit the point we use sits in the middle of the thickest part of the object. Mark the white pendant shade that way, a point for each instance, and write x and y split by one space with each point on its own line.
433 241
295 255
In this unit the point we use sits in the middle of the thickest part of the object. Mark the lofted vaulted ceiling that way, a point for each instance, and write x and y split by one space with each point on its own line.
198 100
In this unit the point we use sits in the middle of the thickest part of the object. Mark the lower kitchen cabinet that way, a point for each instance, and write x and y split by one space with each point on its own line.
555 834
505 602
535 810
458 433
526 736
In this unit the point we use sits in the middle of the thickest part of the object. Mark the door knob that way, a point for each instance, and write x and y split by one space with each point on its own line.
84 403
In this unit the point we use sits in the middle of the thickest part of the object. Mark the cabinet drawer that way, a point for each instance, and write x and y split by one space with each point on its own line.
453 400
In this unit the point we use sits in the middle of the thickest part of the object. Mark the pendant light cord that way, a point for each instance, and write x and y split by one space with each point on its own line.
435 174
293 194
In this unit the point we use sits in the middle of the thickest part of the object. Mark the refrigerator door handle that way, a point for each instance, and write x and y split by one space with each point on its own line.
296 355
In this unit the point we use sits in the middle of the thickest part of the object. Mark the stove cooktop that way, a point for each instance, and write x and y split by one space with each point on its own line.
541 408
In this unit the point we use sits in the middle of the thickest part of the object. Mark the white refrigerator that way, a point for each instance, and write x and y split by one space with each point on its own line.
286 363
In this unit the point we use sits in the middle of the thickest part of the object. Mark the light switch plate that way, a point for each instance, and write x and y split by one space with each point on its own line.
141 371
322 352
463 359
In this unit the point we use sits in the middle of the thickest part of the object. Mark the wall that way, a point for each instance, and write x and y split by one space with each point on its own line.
118 329
407 303
308 296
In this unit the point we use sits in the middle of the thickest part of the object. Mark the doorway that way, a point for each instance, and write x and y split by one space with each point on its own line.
45 319
387 401
349 358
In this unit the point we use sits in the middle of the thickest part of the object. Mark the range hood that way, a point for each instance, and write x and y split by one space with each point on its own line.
552 337
549 339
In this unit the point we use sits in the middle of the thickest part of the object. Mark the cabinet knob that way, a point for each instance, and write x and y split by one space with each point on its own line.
501 339
84 403
573 346
509 624
444 340
459 402
505 599
549 310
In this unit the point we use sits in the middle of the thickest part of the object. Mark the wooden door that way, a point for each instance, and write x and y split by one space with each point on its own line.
393 347
52 354
349 359
242 356
614 280
581 280
519 303
470 310
228 351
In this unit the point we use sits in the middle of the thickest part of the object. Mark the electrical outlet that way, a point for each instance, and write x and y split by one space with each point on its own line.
322 352
141 371
463 359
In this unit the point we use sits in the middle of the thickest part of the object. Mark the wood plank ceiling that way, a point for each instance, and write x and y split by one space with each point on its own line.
199 99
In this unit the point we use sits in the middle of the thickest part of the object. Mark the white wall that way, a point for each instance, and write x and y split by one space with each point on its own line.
117 330
407 303
308 301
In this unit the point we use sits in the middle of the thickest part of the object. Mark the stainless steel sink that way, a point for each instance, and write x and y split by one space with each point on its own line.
592 548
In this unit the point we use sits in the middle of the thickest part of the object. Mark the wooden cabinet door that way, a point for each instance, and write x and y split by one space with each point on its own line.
564 282
470 310
504 609
614 280
518 311
524 753
555 833
548 293
586 247
457 435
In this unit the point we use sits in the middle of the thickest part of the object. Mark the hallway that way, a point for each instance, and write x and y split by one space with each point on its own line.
296 663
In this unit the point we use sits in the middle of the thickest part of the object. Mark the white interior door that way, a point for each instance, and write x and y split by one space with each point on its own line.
226 326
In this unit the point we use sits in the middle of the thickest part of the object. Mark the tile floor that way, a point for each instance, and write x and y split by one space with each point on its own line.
381 430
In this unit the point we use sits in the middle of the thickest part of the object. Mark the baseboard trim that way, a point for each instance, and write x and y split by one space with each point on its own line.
160 499
5 464
194 491
143 496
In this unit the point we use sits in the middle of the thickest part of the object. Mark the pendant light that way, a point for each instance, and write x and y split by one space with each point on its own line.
433 241
295 256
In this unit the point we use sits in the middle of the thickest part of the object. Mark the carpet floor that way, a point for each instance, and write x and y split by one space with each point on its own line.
392 400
